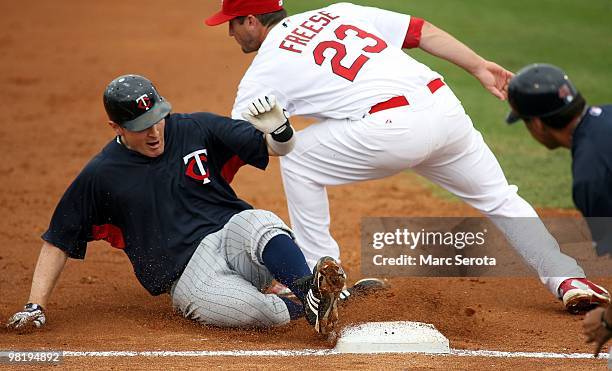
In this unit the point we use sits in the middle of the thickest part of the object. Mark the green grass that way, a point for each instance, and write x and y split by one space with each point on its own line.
575 35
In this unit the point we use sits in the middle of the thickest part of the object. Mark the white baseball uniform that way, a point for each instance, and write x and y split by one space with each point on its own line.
380 112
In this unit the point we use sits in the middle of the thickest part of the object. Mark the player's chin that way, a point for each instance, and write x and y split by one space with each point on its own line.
155 149
249 47
247 50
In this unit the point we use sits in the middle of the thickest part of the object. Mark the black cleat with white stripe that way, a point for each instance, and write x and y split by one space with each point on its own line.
363 287
321 304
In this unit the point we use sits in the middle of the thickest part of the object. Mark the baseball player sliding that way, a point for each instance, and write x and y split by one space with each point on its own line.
211 251
381 112
557 115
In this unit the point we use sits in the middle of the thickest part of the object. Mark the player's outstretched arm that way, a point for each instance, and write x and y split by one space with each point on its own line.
50 264
441 44
597 327
271 119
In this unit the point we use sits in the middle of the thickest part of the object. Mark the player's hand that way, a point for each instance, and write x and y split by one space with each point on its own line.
494 78
265 114
593 329
32 316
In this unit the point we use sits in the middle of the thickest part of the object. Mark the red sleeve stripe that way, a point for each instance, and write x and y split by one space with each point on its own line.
110 233
413 36
231 168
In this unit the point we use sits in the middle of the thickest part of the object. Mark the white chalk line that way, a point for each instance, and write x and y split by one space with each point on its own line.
496 353
324 352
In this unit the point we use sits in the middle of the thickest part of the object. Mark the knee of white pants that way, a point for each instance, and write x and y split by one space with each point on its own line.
256 228
274 227
507 203
294 175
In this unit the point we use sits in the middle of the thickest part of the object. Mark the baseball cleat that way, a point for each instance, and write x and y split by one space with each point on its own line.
326 284
364 286
580 295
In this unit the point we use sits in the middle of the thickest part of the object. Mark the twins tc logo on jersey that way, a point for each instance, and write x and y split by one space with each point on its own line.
196 166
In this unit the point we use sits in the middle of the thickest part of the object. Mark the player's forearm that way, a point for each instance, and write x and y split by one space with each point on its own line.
50 264
281 144
442 45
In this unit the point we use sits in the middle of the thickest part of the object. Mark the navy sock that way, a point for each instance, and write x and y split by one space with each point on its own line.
295 310
285 261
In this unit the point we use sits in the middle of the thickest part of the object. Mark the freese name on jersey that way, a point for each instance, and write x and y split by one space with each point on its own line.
306 31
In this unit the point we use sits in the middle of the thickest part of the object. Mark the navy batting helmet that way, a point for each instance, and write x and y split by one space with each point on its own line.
541 90
132 102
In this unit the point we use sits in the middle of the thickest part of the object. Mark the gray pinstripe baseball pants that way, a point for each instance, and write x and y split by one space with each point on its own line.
222 283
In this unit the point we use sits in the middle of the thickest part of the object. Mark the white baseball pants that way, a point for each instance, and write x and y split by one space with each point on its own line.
222 283
439 142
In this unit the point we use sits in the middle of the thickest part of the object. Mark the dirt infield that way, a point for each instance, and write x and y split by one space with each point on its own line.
58 58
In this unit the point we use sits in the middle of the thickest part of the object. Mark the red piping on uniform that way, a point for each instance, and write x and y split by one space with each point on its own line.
413 36
109 233
391 103
231 168
400 101
434 85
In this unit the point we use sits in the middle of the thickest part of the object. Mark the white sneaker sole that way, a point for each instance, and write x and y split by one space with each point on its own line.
579 301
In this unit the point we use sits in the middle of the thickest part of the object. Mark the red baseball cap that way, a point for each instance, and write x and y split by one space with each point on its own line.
231 9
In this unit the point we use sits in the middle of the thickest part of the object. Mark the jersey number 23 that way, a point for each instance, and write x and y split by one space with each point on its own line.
351 72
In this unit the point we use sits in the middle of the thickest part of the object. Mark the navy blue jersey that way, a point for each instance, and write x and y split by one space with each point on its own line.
592 170
159 209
